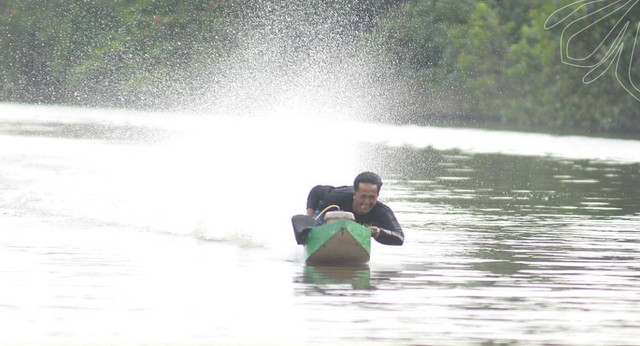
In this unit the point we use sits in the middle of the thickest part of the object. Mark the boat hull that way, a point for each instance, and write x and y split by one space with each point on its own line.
339 242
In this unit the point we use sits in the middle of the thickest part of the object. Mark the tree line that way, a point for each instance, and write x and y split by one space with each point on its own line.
554 65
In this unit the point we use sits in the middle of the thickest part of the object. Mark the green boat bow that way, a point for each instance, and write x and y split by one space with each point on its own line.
338 242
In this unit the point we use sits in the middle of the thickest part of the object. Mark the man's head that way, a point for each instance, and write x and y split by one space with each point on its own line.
366 188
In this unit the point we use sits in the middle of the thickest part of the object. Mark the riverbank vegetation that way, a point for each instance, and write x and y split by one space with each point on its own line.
492 63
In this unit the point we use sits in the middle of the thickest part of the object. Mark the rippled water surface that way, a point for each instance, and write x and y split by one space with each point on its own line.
145 228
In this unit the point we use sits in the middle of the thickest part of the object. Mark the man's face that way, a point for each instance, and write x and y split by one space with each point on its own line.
365 198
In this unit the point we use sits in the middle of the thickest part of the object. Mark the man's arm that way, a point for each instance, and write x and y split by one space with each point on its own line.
390 237
388 230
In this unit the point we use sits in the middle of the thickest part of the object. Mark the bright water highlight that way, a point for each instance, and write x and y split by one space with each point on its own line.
132 228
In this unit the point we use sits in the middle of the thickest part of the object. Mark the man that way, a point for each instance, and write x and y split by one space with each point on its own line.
362 200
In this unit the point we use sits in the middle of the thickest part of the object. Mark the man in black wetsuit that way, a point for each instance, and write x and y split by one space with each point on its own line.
362 200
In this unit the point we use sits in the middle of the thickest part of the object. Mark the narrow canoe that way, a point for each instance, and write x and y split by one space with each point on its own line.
338 242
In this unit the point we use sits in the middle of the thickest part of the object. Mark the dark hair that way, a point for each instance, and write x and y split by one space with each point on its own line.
367 177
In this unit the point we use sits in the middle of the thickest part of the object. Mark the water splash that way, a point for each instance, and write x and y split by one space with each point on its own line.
218 178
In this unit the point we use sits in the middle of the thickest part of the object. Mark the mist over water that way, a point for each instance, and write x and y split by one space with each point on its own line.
243 132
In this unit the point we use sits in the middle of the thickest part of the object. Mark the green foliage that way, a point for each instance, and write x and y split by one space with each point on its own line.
417 34
482 49
506 68
98 52
553 94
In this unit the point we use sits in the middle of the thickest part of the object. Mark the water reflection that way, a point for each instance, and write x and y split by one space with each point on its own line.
498 185
325 279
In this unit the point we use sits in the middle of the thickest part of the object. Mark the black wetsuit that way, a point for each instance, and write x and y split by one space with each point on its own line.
381 216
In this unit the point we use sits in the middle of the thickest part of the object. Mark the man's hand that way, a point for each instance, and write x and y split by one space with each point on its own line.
375 231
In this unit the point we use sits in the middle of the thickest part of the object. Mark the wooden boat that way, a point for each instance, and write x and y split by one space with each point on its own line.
335 242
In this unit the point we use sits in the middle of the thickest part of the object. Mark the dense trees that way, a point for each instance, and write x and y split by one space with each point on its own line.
505 60
488 62
99 52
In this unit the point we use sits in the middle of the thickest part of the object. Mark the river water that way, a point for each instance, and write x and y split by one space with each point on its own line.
135 228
